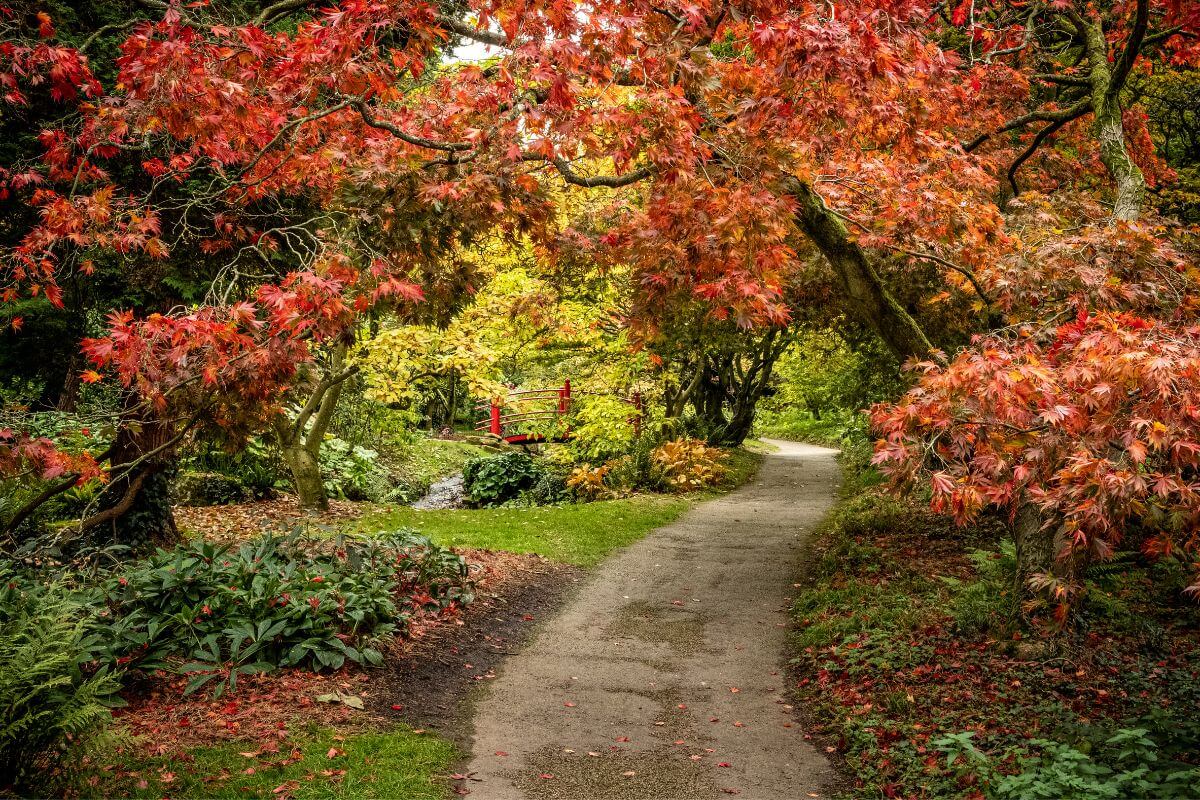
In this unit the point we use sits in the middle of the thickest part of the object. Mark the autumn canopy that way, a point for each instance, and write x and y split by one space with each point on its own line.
969 182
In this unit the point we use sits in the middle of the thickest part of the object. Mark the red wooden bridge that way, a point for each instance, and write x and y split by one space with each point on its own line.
537 415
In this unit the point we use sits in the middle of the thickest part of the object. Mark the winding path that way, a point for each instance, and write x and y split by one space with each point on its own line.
663 679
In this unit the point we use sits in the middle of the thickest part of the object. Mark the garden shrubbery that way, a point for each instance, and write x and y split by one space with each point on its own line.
216 612
272 602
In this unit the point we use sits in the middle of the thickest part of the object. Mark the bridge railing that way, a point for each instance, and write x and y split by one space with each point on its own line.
530 407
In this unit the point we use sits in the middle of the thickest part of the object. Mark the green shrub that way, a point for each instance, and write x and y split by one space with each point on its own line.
256 466
494 480
51 707
352 472
1127 764
272 602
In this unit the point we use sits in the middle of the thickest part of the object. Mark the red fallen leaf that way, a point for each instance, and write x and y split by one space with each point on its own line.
397 707
724 764
621 739
166 777
734 689
713 719
546 776
458 776
528 617
679 741
249 771
334 753
682 706
569 704
739 724
501 753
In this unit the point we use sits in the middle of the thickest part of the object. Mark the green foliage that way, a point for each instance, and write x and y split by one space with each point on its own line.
353 472
822 383
988 603
493 480
52 709
272 602
256 465
1129 763
207 489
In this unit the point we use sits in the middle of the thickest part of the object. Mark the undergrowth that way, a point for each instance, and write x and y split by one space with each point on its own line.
910 657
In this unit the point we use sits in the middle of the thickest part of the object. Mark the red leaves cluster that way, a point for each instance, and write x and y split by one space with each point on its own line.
1098 425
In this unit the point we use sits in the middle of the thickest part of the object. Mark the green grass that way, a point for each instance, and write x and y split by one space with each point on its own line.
577 533
574 533
395 764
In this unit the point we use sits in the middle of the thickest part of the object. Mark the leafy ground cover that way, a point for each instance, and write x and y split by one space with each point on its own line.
910 663
317 763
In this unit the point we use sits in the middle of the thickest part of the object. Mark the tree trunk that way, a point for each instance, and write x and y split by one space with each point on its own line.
1107 124
300 441
1036 548
864 291
306 476
135 507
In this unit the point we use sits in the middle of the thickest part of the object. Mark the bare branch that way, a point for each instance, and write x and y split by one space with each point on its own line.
1067 114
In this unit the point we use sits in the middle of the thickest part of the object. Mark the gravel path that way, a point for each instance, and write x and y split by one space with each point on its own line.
663 678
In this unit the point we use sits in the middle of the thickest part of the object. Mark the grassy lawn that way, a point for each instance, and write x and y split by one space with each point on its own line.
578 533
575 533
395 764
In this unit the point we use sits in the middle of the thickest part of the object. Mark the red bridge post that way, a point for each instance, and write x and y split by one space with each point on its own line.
495 420
564 397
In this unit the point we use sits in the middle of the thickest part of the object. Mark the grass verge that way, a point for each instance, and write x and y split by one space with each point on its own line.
577 533
317 765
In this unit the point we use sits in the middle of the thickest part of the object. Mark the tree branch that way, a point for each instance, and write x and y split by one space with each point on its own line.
1068 114
399 133
1133 46
468 32
276 10
589 182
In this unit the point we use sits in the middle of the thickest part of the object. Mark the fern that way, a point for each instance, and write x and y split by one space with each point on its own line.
49 706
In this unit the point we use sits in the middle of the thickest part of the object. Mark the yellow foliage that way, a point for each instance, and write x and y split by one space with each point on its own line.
689 464
588 481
